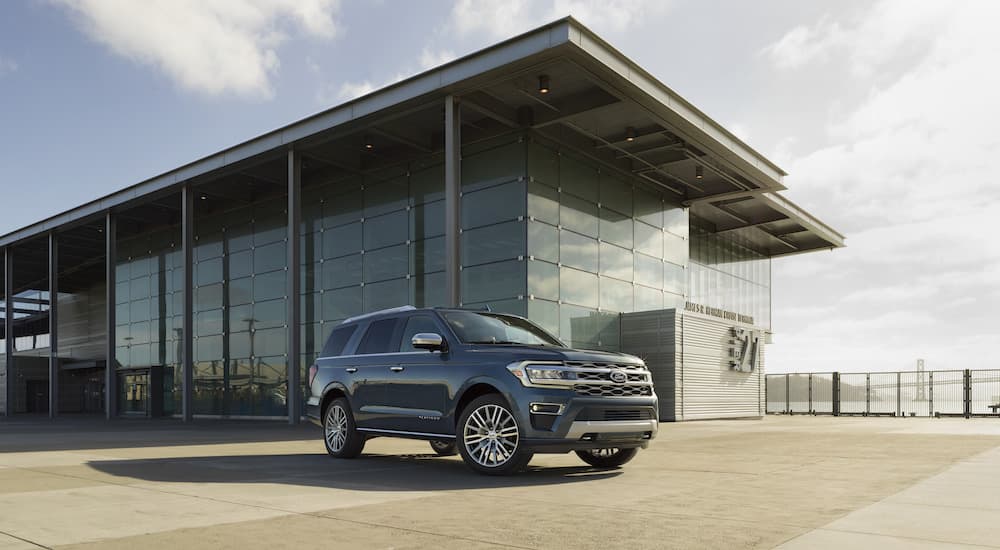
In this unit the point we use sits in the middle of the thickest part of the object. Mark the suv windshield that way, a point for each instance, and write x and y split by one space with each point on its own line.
473 327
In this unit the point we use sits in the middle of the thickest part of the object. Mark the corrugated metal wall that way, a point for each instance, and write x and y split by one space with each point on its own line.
711 389
689 358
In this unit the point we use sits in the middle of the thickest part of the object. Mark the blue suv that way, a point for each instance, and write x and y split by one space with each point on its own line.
495 388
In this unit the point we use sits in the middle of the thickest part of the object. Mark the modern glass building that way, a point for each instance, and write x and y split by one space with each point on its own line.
546 176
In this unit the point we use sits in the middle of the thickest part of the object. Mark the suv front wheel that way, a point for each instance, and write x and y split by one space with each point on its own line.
489 438
340 433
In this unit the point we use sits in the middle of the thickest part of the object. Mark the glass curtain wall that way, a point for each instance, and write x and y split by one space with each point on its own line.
148 306
370 241
3 334
598 246
728 274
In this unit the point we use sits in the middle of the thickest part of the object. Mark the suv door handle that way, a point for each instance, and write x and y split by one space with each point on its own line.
351 369
396 369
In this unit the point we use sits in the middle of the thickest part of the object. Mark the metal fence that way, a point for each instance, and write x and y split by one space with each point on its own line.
916 393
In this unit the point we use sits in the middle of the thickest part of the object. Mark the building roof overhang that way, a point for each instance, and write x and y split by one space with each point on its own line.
601 104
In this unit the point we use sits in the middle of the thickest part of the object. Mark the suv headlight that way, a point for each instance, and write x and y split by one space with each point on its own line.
543 374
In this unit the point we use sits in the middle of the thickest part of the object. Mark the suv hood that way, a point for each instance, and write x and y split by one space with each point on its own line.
538 353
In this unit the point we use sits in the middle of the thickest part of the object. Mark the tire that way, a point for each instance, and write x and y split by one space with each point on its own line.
340 434
607 458
444 448
483 447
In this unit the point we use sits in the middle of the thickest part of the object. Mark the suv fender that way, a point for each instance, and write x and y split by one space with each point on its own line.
502 388
334 388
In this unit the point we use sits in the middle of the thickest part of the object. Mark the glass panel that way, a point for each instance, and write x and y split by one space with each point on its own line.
269 258
342 209
428 290
342 303
579 215
387 263
543 280
340 272
674 278
543 241
386 230
385 196
544 314
269 286
648 271
342 240
648 299
493 281
386 294
493 243
493 205
543 164
578 251
675 249
543 203
427 256
649 240
616 228
427 220
648 208
616 262
578 287
579 179
616 194
616 295
504 163
428 184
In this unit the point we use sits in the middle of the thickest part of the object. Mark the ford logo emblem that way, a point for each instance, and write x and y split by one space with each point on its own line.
619 377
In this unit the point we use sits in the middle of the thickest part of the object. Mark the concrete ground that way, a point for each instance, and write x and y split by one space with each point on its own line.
793 482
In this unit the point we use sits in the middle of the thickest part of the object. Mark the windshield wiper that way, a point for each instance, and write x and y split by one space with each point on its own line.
508 342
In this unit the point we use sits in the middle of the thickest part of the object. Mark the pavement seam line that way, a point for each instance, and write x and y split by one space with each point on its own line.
936 541
22 539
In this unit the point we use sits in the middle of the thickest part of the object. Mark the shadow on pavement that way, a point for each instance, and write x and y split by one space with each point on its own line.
369 472
69 433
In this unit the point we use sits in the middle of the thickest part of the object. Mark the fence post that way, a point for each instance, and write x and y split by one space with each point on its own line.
967 392
930 393
868 393
788 402
899 394
810 393
836 394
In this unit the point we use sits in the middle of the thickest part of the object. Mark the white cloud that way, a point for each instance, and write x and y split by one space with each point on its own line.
907 174
7 66
433 58
208 46
352 90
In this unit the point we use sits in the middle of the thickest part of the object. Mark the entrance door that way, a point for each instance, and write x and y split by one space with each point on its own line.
133 396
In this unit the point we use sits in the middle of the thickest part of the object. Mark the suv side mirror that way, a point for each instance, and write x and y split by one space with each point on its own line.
428 341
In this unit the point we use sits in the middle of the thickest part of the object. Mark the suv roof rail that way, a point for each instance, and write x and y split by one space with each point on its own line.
399 309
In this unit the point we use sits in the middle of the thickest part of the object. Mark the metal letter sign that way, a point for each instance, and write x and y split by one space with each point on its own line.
743 350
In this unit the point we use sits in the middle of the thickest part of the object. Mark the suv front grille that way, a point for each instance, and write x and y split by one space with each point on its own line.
609 390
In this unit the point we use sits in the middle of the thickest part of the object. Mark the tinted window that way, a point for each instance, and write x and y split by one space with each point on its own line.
378 337
337 340
492 328
416 325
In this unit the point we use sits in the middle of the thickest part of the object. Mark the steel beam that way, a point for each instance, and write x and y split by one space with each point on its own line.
187 324
293 272
453 198
110 365
53 325
8 292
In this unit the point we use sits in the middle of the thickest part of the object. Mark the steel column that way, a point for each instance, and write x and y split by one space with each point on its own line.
453 199
899 394
8 293
967 392
53 325
868 393
187 324
836 394
293 300
110 364
811 411
788 395
930 393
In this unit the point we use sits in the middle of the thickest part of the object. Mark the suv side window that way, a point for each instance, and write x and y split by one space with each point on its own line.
337 341
378 338
415 325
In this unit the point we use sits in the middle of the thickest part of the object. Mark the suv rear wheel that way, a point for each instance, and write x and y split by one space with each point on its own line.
607 458
489 438
444 448
340 433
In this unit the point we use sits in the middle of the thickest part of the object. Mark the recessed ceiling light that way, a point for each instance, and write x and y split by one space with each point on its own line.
630 134
543 84
699 172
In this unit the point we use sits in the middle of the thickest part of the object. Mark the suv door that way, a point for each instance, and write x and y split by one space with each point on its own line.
420 385
373 360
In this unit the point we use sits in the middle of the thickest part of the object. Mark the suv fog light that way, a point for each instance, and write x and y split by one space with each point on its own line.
546 408
647 435
589 437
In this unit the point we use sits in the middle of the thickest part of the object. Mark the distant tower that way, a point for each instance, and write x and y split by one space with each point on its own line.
921 382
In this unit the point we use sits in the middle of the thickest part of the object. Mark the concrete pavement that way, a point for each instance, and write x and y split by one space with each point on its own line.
799 481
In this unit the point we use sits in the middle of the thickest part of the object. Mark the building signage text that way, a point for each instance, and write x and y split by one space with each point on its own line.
717 312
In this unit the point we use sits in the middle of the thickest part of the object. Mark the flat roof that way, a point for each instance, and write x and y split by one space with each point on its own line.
602 104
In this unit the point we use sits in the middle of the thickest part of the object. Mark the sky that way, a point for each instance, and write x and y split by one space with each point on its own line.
884 114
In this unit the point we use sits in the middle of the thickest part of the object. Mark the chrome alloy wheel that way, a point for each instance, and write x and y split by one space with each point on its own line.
490 435
336 428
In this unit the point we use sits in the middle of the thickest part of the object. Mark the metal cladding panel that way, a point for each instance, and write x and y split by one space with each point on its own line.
711 389
653 336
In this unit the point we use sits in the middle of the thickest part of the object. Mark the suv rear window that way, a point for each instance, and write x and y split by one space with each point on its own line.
378 337
337 341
